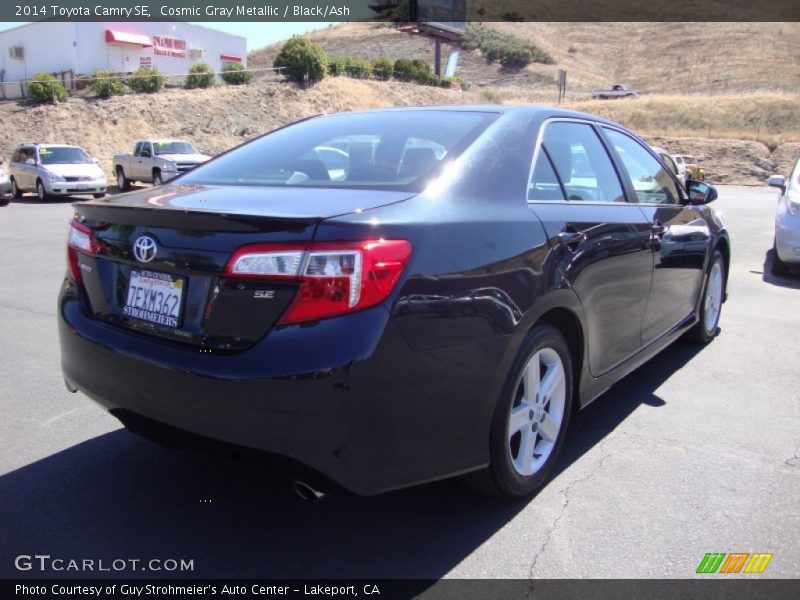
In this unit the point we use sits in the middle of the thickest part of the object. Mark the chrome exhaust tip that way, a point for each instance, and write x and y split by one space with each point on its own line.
70 387
308 493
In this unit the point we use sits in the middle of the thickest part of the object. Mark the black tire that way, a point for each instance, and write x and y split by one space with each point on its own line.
700 334
157 177
100 195
15 191
4 200
123 183
41 191
501 478
778 267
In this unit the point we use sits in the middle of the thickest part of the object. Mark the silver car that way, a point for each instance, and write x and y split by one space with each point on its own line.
786 252
55 170
5 184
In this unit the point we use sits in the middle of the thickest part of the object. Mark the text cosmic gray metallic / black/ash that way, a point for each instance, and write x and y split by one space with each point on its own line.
396 296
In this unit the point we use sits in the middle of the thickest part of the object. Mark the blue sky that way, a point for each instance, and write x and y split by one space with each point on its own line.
257 34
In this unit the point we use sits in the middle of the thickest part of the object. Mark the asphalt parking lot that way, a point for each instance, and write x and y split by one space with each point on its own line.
695 452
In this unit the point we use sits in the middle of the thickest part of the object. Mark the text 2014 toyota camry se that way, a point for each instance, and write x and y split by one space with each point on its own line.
396 296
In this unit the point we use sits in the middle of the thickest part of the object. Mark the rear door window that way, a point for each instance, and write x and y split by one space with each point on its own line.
581 164
649 178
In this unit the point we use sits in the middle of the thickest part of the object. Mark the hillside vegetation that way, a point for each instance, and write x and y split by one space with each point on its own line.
664 58
218 118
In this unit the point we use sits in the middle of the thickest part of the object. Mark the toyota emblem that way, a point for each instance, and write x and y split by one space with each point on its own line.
144 249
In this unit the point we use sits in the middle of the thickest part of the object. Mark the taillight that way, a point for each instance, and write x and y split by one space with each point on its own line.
335 277
80 240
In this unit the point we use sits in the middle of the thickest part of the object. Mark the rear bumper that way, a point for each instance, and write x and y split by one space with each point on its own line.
345 397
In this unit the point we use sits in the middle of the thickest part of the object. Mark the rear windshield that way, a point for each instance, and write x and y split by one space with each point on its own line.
63 156
174 148
382 150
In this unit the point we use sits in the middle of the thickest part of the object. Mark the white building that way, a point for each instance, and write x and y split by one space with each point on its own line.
82 47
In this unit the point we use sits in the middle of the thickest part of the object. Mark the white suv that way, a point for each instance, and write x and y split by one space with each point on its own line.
55 170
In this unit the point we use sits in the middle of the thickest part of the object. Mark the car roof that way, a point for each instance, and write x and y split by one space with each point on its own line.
47 144
529 110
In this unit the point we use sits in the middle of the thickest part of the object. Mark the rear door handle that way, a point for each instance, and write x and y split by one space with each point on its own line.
570 238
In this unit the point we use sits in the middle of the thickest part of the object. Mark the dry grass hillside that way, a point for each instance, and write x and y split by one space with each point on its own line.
219 118
663 58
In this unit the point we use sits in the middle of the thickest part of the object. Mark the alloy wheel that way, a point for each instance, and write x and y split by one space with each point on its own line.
713 298
537 411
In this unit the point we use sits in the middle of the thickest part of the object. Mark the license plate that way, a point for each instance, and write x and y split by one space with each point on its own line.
154 297
83 186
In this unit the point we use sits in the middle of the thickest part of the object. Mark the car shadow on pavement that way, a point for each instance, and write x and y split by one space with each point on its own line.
117 496
789 281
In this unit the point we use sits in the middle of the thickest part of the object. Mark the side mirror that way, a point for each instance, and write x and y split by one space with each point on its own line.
778 181
700 192
96 161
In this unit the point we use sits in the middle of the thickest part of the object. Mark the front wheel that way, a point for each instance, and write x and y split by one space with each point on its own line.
157 178
531 418
41 192
778 267
707 327
15 191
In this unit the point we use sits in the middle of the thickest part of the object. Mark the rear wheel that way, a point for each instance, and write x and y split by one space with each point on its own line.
41 192
531 418
778 267
100 195
15 191
122 182
707 327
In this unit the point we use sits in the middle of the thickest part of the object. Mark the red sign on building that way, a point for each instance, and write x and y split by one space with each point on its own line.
167 46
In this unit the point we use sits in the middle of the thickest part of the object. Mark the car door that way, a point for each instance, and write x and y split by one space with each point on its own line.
28 168
601 241
680 235
143 162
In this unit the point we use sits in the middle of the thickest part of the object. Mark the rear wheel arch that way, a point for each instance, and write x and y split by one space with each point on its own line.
569 325
724 247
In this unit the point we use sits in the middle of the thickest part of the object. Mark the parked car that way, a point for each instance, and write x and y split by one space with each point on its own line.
418 318
670 163
689 168
55 170
156 161
786 247
5 185
617 91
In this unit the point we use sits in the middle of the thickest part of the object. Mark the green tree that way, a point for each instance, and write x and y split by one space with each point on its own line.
235 74
200 76
147 80
382 68
44 87
105 84
302 59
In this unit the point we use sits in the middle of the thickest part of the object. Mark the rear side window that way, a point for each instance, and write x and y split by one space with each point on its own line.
396 150
650 180
581 164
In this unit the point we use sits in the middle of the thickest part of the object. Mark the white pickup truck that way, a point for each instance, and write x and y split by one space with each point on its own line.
617 91
156 161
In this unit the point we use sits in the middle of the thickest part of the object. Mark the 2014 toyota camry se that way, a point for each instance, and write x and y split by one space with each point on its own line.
396 296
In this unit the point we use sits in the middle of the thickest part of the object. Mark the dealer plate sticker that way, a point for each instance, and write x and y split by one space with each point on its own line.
154 297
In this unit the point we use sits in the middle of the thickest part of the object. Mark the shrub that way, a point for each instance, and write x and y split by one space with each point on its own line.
512 51
382 68
147 80
358 68
415 70
200 76
235 74
44 87
301 58
336 65
105 84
